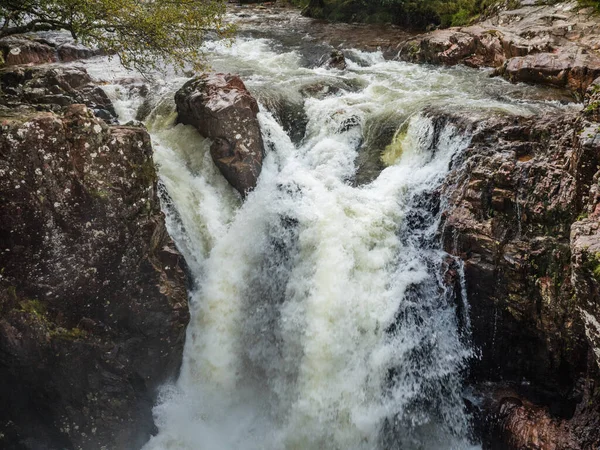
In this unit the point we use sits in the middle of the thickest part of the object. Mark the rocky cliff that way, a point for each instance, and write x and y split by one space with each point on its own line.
93 302
522 213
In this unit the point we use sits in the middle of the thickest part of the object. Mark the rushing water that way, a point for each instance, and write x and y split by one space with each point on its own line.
321 318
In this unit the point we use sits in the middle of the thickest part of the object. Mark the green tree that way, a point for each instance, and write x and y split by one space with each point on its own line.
144 34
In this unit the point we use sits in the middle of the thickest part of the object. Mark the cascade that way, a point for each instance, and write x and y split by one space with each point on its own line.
321 313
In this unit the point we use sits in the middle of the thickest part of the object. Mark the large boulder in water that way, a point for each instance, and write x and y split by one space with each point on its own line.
222 109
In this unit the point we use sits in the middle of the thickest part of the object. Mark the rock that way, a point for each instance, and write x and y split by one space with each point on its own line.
93 303
591 101
336 61
222 109
567 68
514 199
514 422
32 49
530 427
512 203
72 52
20 50
549 44
585 251
440 47
51 87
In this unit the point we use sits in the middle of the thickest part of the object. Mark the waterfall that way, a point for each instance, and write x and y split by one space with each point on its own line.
321 313
321 319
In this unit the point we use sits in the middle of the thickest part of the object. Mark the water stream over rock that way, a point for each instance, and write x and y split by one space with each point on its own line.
321 313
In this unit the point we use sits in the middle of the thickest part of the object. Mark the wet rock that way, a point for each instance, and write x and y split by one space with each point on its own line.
439 47
69 52
35 49
585 251
51 87
512 204
513 421
222 109
568 68
93 303
591 102
336 61
20 50
516 201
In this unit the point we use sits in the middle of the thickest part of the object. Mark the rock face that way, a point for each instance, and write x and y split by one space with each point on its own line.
522 214
222 109
51 87
93 302
552 44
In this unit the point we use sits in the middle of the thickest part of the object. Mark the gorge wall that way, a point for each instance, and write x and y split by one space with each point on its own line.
93 302
92 292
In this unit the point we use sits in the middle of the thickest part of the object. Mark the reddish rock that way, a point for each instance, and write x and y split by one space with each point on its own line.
222 109
517 204
72 52
566 68
448 47
20 50
551 44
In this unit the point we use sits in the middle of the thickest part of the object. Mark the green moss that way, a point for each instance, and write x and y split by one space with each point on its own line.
38 311
592 107
592 264
12 291
70 334
99 193
146 172
34 307
590 3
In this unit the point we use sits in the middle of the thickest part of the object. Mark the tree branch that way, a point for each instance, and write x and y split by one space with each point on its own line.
34 25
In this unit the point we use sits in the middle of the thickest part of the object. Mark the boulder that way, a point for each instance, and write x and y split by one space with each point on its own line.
32 49
220 107
68 52
439 47
336 61
93 303
567 68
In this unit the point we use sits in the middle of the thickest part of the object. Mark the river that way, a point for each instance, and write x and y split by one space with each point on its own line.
321 315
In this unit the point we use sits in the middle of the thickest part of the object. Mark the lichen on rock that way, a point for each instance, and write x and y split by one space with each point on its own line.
222 109
93 294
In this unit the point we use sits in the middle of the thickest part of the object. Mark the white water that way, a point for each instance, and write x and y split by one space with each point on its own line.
320 318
